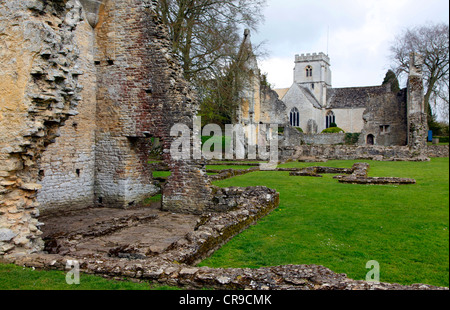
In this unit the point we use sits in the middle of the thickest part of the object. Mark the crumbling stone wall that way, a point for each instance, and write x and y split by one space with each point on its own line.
39 90
141 94
122 80
67 167
111 60
385 118
417 115
133 91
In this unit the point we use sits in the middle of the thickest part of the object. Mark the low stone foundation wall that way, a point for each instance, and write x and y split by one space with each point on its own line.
288 277
347 152
229 173
358 174
438 151
323 138
243 207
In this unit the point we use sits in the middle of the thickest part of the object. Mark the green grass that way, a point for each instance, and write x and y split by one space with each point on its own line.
227 167
20 278
152 199
343 226
323 222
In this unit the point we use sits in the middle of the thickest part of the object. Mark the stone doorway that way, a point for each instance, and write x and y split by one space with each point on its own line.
370 139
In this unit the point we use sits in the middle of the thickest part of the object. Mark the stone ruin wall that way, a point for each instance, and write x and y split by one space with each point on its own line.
39 90
138 94
417 115
117 96
350 152
386 108
67 167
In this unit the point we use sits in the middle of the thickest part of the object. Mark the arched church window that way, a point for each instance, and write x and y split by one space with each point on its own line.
309 71
294 117
330 119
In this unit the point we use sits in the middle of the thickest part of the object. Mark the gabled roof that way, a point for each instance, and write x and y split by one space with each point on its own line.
308 94
304 91
352 97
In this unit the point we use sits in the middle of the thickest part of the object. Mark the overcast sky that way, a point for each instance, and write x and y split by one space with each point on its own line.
360 32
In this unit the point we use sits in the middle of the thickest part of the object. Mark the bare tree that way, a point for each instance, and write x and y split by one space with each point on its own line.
432 42
222 94
206 33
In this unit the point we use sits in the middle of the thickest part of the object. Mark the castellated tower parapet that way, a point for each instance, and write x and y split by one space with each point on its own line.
313 57
313 72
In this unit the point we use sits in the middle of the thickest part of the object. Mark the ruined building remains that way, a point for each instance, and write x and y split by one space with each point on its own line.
87 87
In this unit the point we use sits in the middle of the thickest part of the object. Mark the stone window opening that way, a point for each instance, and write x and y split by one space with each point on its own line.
41 175
385 129
294 118
330 119
78 172
309 71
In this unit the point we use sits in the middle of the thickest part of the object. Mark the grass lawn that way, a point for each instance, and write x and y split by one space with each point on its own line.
19 278
320 221
165 174
343 226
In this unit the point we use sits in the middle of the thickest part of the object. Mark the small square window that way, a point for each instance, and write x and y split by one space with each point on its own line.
385 129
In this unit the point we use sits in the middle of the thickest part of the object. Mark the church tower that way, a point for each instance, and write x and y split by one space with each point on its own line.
312 71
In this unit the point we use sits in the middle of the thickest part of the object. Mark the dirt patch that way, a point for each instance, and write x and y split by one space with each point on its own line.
99 232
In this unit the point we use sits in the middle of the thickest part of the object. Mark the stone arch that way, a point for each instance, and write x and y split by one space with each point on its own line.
330 118
309 71
370 139
294 117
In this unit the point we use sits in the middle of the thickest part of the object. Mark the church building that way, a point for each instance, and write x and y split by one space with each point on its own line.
378 114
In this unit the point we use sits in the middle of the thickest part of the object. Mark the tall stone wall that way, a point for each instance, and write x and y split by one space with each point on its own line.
385 118
122 80
67 168
133 91
39 90
417 115
111 61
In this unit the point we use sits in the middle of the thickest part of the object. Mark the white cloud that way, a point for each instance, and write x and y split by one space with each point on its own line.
280 71
360 35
